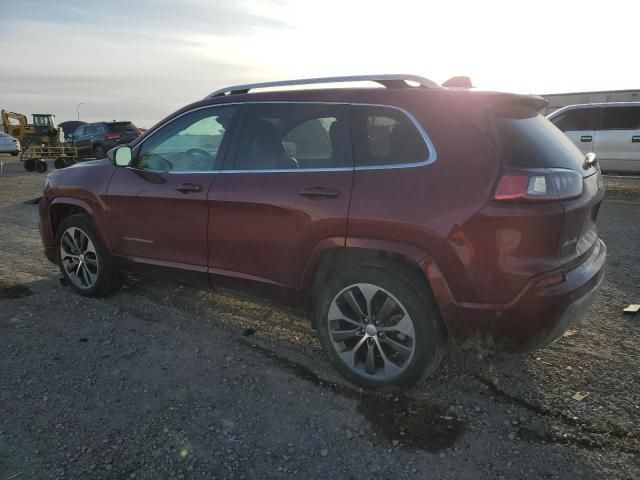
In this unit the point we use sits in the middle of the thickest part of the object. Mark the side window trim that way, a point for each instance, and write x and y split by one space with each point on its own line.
430 146
224 147
231 146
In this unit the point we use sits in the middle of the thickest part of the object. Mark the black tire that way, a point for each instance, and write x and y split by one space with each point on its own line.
430 337
108 278
99 152
60 162
14 154
41 166
70 161
30 165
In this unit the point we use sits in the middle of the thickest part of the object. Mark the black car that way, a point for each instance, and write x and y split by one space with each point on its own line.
69 127
95 139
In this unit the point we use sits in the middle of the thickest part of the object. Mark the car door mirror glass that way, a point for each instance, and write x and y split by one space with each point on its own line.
123 156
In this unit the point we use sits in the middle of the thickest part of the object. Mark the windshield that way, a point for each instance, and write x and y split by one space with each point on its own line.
44 121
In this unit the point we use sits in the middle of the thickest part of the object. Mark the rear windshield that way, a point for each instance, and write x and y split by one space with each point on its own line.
120 126
527 139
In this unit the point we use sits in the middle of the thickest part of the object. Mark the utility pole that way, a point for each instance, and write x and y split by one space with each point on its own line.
78 109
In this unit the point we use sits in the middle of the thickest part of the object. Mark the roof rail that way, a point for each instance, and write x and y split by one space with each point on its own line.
389 81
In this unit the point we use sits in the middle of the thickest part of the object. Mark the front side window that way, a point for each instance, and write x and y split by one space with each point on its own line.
620 118
190 143
574 120
79 132
386 136
287 136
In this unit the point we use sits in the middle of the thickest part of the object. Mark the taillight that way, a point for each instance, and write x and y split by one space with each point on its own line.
112 135
541 185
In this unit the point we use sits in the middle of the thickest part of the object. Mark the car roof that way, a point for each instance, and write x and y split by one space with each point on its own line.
592 105
400 97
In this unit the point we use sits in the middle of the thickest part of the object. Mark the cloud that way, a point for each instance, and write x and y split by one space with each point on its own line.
126 60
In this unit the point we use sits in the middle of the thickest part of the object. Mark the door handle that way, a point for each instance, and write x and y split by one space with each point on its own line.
317 193
188 188
635 139
586 138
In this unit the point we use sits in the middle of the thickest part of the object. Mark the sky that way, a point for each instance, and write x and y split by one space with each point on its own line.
140 60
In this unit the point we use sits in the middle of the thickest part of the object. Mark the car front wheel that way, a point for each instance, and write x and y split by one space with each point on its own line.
99 152
85 263
378 329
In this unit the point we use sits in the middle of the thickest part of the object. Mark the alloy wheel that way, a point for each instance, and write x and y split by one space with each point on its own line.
371 331
79 258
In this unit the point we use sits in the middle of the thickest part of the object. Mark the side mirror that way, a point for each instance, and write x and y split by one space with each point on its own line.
123 156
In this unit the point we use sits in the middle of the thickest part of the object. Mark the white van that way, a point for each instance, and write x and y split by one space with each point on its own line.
610 130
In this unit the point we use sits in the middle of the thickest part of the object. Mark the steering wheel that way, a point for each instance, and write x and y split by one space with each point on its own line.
155 162
197 159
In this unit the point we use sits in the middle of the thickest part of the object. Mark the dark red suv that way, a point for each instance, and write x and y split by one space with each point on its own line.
398 217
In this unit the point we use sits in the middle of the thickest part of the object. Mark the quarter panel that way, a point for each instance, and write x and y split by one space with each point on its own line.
427 206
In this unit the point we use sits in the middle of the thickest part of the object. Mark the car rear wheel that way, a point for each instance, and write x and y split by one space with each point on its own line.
30 165
60 162
41 166
378 330
85 263
99 152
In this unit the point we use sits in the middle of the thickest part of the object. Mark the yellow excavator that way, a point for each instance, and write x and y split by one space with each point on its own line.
43 130
39 140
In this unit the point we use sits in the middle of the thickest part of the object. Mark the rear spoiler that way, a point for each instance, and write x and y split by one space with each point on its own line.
533 101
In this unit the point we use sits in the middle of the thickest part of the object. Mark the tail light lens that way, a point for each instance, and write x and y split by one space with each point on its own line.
112 135
539 185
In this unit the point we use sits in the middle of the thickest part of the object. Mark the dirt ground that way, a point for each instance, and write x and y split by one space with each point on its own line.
163 381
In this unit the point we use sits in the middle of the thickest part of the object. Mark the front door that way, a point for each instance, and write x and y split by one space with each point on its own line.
285 187
158 206
578 125
82 141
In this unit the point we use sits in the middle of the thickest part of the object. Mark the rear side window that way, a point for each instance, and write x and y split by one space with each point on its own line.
574 120
620 118
386 136
526 139
277 136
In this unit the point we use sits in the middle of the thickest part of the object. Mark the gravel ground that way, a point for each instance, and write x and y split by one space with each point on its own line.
164 381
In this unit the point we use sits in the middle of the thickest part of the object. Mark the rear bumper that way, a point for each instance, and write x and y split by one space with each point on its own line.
538 316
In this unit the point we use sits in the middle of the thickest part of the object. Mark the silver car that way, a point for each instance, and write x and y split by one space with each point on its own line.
8 144
610 130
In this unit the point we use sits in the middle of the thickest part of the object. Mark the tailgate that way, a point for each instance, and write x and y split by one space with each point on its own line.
579 230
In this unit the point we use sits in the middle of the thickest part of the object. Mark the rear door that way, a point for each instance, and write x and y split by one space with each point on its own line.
578 125
285 189
617 138
157 208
